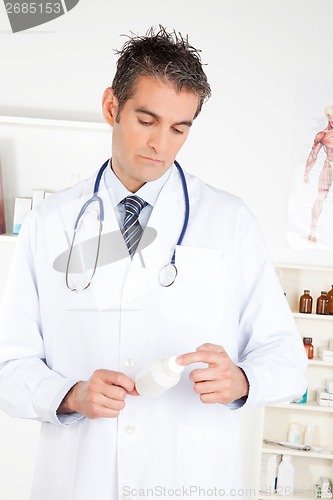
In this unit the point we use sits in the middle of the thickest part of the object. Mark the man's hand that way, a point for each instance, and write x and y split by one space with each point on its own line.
222 381
102 396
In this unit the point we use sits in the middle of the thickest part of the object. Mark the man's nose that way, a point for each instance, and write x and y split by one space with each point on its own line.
157 140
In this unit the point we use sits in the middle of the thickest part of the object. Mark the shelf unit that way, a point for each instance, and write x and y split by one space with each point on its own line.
309 465
48 154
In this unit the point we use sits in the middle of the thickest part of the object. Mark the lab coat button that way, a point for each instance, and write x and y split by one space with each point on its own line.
130 429
129 363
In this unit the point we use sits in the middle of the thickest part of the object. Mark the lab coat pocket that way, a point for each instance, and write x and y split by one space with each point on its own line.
196 297
56 462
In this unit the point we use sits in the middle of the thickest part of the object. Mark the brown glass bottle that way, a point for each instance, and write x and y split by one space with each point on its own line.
322 304
330 301
305 303
307 341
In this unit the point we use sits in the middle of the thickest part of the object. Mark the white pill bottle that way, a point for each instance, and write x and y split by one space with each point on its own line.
159 376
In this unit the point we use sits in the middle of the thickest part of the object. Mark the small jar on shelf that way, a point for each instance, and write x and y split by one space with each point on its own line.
322 304
305 303
307 341
330 301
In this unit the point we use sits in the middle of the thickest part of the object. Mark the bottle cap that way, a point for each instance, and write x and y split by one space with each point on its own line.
173 366
307 340
306 291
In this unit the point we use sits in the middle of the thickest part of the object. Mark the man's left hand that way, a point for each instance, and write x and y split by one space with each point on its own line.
222 381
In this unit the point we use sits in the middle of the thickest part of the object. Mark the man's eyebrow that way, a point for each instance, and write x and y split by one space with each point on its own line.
187 123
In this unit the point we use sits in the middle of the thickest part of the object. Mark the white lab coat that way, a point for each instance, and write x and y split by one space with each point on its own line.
226 293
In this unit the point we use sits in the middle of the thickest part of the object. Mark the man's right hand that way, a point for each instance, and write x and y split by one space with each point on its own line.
102 396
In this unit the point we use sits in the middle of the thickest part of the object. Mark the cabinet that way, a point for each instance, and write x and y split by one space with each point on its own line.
309 465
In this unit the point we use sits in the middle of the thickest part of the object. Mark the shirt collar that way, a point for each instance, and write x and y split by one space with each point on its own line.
148 192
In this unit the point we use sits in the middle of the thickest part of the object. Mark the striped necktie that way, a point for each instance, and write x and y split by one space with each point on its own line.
132 231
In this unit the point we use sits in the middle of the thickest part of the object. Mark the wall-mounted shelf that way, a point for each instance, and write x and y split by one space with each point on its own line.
309 406
316 317
43 122
282 450
309 465
8 238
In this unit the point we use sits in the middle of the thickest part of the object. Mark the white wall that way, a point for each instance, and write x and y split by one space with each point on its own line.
242 142
255 51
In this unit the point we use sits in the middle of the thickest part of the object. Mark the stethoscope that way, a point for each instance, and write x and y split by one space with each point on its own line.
168 273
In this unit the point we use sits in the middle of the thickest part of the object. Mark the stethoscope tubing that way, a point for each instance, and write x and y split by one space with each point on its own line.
187 209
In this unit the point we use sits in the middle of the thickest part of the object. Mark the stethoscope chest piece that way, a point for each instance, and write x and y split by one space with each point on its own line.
168 275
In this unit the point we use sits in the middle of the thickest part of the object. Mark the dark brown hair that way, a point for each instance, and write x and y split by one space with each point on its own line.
164 56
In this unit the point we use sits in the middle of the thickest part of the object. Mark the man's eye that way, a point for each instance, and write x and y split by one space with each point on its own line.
146 124
177 131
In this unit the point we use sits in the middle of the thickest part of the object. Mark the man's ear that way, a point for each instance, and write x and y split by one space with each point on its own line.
109 106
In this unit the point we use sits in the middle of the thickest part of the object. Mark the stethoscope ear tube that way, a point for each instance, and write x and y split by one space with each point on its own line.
187 204
100 214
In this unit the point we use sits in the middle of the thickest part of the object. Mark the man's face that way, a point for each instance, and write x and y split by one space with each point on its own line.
152 127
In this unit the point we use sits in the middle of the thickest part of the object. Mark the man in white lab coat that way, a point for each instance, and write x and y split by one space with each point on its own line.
69 359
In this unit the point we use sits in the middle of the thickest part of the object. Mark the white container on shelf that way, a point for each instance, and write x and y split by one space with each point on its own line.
285 477
294 434
308 435
269 470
